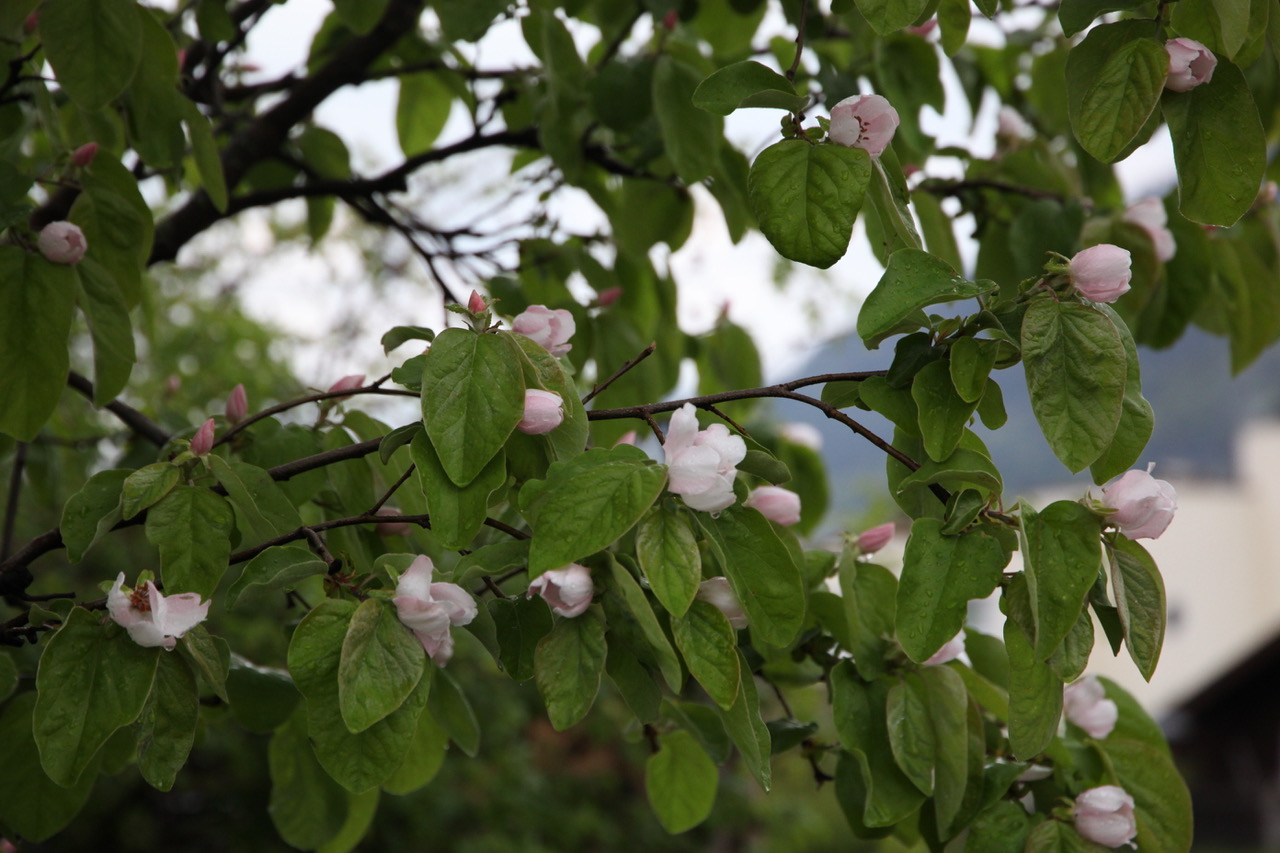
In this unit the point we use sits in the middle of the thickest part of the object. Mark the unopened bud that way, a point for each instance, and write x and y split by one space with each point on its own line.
84 155
62 243
347 383
475 304
608 296
202 441
237 404
670 20
870 541
392 528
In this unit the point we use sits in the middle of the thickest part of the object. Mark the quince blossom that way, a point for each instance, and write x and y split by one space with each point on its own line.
62 243
549 329
543 412
950 650
1150 216
237 404
775 503
1086 705
567 591
151 618
702 463
870 541
864 121
431 609
720 594
1104 815
1140 505
1190 64
1101 273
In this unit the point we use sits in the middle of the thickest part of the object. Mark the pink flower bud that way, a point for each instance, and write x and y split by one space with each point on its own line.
202 441
31 22
1101 273
237 404
1086 705
568 591
924 29
543 412
950 650
1190 64
608 296
1141 506
392 528
1149 215
429 609
62 243
347 383
549 329
864 121
775 503
669 20
628 437
84 155
1104 815
719 593
476 304
870 541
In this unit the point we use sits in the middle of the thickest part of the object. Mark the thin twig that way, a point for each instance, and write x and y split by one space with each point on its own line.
645 353
15 492
249 421
804 19
391 491
737 427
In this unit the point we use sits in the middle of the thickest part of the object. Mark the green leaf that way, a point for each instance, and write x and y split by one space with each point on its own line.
747 729
32 805
912 280
1035 696
911 732
205 152
521 623
398 335
192 528
93 45
633 680
154 107
1114 80
361 810
1140 601
457 512
472 399
971 362
359 16
570 438
568 664
467 20
1137 420
306 805
381 664
870 596
147 486
948 704
687 131
167 727
806 197
889 16
1218 146
762 573
1076 368
667 549
1075 15
8 676
91 681
277 568
91 512
590 509
941 411
858 710
1055 836
654 637
747 84
360 761
681 782
35 319
940 574
1162 804
116 221
209 657
448 706
1061 556
422 759
1220 25
261 697
107 313
263 510
710 648
954 18
421 112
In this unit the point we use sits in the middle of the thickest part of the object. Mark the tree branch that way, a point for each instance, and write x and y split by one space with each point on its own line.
131 417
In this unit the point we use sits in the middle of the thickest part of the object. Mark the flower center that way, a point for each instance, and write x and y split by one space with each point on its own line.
139 600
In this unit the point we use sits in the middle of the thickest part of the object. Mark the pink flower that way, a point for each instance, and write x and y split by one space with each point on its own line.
392 528
153 619
864 121
431 609
628 437
549 329
1101 273
84 155
568 591
1149 215
924 29
543 412
1104 815
62 243
950 650
1190 64
1087 706
775 503
870 541
1141 506
476 304
347 383
237 404
702 464
718 592
608 296
202 441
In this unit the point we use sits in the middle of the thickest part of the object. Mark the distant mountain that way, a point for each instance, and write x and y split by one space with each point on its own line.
1199 409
